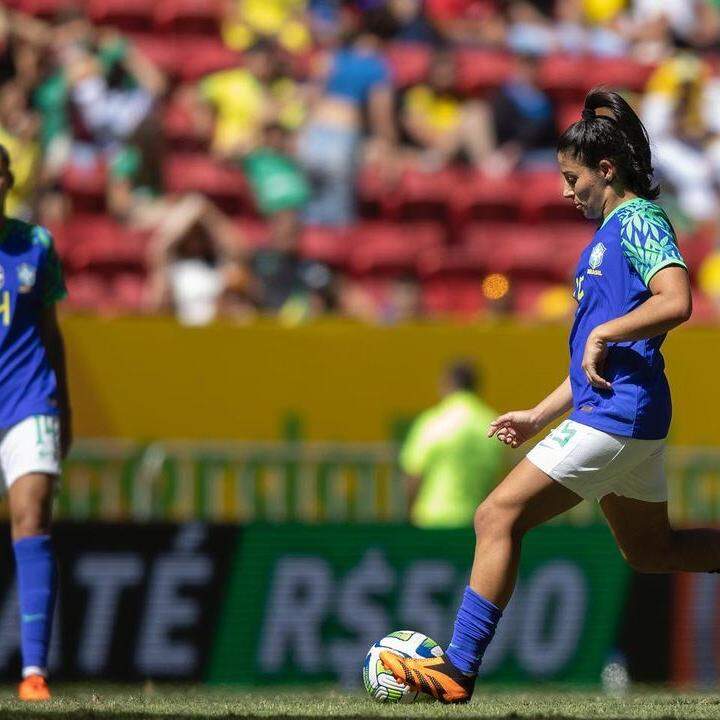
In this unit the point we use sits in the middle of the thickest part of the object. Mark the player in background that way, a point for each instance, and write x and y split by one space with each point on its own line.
631 287
450 463
35 429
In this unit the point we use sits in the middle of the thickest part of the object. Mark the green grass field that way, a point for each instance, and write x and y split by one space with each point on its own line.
138 703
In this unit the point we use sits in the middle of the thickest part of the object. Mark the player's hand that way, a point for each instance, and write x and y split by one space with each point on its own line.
514 428
593 362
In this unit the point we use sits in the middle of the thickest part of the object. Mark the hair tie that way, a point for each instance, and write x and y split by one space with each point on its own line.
588 114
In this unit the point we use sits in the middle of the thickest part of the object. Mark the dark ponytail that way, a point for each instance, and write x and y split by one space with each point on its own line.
614 133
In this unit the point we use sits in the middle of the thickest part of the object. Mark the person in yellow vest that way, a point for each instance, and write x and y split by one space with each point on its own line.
450 463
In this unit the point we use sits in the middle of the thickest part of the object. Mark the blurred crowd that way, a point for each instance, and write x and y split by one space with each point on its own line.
237 185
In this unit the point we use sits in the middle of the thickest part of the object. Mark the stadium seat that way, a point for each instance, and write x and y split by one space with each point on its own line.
618 73
129 291
481 70
86 186
86 292
163 51
389 249
423 195
101 245
695 248
46 8
459 297
549 250
255 232
704 310
563 76
409 62
567 113
197 172
180 130
127 15
200 55
327 245
182 16
481 197
541 197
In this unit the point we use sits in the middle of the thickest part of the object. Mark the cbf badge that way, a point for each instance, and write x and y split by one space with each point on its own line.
26 277
596 258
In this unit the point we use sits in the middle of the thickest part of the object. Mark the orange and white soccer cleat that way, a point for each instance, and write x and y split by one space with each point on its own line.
34 688
436 676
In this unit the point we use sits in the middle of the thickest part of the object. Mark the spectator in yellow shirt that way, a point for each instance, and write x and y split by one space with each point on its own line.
438 120
243 100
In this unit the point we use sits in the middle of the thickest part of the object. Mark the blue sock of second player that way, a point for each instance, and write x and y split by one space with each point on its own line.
36 575
475 626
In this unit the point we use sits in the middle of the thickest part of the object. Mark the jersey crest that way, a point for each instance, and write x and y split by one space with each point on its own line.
26 277
596 258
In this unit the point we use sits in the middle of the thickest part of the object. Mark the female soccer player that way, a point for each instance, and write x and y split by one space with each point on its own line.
34 422
631 287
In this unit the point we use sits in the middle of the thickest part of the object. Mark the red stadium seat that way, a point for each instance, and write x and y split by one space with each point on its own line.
482 70
563 76
705 312
482 197
199 55
255 233
549 251
126 14
86 185
391 248
104 247
568 113
180 131
86 292
196 172
409 62
163 51
460 297
327 245
541 197
695 248
195 16
425 195
46 8
129 291
617 73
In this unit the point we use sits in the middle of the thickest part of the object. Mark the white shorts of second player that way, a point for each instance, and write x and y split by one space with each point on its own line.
31 446
593 463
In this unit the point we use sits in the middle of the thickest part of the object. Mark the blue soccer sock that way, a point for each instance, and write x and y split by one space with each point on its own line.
475 626
37 581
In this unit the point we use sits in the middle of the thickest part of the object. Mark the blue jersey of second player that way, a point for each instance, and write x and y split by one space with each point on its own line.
30 280
633 243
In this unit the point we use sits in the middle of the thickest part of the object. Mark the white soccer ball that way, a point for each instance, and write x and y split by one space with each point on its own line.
380 683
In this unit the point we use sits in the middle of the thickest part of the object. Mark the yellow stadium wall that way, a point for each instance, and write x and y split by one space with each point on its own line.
148 378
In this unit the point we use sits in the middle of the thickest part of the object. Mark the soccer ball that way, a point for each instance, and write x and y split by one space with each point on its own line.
380 683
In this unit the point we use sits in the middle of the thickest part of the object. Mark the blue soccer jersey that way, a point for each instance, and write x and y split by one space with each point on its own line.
633 243
30 280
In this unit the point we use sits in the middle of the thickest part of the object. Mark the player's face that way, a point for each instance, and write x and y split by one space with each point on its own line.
585 186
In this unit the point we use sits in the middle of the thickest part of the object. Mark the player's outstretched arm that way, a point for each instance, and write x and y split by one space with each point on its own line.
514 428
52 339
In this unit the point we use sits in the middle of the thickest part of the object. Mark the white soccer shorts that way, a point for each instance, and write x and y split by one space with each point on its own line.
593 463
31 446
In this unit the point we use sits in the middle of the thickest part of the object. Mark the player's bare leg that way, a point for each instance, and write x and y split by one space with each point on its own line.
30 500
650 544
527 497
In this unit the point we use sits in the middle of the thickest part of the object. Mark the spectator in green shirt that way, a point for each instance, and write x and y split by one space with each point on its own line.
450 463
